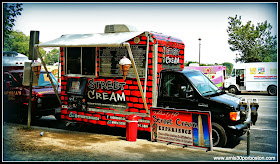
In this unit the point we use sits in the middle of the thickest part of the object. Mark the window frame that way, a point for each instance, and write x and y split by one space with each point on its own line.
185 82
9 77
65 59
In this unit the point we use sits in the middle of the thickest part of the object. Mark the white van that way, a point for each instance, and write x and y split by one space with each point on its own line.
257 76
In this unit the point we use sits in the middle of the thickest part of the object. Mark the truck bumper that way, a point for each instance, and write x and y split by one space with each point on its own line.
240 129
239 126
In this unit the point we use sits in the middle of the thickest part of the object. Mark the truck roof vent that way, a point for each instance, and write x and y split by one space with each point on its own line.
115 28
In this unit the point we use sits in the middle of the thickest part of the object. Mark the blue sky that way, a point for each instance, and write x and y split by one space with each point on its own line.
187 21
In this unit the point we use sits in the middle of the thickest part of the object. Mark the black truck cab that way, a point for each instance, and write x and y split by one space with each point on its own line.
192 90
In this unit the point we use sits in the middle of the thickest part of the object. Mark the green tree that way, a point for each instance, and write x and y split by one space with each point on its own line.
10 12
19 42
254 43
52 56
229 67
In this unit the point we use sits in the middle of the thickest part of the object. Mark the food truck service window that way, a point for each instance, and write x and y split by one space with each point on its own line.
81 60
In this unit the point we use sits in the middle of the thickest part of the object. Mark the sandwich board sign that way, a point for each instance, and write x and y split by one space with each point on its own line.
183 127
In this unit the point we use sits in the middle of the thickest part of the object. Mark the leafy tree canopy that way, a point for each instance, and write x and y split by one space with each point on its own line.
253 43
10 12
229 67
19 42
52 56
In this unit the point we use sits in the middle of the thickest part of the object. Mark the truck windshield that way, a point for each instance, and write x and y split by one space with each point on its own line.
202 83
45 81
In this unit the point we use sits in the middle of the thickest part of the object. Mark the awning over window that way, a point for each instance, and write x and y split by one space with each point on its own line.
91 40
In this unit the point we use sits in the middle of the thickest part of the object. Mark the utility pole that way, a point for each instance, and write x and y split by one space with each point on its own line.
34 39
199 39
30 97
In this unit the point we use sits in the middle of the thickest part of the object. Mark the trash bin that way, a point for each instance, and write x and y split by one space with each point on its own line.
131 127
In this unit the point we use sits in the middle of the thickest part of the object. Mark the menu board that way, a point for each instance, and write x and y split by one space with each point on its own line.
109 58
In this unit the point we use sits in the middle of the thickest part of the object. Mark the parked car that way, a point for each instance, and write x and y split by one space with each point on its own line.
16 96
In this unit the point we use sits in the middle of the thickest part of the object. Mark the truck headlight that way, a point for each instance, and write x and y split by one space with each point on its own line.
234 116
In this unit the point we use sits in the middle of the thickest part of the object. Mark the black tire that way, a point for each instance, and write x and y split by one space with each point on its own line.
219 136
272 90
233 90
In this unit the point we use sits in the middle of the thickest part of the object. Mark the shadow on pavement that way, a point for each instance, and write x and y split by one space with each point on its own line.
233 142
99 129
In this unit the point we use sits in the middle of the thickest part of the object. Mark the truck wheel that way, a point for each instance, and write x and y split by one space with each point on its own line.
272 90
219 136
232 90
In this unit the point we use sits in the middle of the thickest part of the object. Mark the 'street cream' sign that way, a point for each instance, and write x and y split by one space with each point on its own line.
189 128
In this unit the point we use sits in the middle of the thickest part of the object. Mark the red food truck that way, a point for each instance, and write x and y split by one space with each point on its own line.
93 86
108 76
